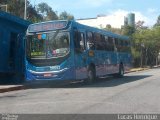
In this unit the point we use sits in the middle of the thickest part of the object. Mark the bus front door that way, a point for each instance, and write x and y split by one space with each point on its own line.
80 56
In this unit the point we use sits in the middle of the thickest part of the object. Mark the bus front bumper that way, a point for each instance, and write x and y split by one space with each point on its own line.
63 74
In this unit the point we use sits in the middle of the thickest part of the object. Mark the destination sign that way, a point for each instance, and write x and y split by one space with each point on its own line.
47 26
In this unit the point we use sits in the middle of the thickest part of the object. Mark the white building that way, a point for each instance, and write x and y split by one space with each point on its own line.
101 21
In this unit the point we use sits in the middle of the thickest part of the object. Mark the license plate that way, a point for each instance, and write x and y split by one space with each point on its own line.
47 75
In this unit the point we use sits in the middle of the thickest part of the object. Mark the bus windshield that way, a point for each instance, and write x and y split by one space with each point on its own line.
47 45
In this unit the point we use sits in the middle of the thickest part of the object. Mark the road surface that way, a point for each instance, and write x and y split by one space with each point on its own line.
137 92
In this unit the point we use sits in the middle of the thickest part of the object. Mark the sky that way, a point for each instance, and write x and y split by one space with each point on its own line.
146 10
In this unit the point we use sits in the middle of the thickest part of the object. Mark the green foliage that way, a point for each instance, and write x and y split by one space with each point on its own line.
140 25
66 16
147 43
135 53
128 30
114 30
46 12
158 21
136 56
108 26
32 14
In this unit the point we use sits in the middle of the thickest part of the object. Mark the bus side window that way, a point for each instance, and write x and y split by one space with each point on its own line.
122 45
106 43
90 41
82 42
97 39
116 41
115 44
111 44
103 42
100 41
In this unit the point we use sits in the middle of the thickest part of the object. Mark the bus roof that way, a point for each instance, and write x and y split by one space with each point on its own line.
105 32
64 24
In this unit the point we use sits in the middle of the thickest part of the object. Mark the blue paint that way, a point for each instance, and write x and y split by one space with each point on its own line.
12 32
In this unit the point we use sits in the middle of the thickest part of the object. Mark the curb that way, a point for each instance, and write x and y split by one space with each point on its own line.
11 88
137 70
140 69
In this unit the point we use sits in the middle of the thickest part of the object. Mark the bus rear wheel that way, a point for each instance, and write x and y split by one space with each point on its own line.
91 76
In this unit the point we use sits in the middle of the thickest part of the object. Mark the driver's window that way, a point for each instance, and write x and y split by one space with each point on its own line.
90 41
82 41
79 40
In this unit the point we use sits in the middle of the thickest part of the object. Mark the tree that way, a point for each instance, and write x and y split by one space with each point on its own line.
108 26
46 11
140 25
16 7
146 43
128 30
66 16
114 30
32 14
158 21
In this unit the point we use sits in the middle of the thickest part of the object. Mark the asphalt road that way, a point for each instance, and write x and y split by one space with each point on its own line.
137 92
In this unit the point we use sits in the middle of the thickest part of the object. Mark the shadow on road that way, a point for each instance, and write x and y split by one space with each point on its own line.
111 82
101 82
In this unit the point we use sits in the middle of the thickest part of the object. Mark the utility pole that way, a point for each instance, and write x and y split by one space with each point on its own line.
25 10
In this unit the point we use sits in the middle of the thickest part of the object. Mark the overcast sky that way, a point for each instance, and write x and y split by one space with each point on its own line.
146 10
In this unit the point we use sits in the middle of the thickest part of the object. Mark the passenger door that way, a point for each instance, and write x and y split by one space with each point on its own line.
80 55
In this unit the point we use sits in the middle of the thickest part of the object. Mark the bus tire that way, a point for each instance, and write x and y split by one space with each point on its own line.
121 71
91 76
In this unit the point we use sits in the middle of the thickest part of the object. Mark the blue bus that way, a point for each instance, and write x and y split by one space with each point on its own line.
67 50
